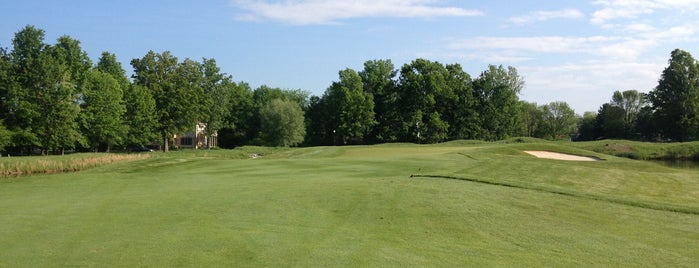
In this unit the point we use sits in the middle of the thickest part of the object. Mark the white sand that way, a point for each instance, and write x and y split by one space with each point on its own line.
560 156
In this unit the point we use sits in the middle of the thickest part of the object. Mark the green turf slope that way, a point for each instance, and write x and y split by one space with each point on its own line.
356 206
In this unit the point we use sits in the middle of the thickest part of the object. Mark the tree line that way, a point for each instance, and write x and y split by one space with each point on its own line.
669 112
53 98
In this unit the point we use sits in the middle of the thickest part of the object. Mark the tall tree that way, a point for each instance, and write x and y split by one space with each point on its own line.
530 119
140 116
646 124
282 123
497 92
378 80
176 88
5 136
191 98
108 64
458 105
558 120
240 114
353 109
77 62
43 97
421 84
610 123
319 126
24 75
6 81
217 89
102 111
631 101
263 95
586 127
57 96
676 98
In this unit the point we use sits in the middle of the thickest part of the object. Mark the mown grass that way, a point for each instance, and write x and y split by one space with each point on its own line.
355 206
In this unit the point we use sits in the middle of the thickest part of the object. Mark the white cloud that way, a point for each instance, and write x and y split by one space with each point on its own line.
547 44
587 85
630 9
303 12
528 47
538 16
640 39
639 27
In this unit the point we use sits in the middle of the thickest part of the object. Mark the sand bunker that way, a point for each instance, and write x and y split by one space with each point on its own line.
560 156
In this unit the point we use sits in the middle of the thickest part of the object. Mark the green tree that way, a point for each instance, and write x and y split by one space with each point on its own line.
609 123
108 64
378 80
318 125
558 120
262 96
6 81
23 76
586 127
646 124
189 95
353 109
497 92
240 114
631 101
530 119
422 84
458 106
5 136
75 59
44 101
176 88
282 123
102 111
57 127
217 89
140 116
675 100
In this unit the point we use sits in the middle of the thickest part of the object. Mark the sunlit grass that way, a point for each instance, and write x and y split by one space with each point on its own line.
355 206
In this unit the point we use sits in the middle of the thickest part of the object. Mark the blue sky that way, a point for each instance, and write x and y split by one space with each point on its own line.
573 51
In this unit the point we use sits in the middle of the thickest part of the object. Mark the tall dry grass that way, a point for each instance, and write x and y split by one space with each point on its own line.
22 166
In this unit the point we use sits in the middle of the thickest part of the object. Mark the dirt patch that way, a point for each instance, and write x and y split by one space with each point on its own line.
620 148
560 156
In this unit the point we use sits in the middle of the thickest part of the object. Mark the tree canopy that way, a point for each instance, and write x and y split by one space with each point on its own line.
103 109
282 123
53 98
676 98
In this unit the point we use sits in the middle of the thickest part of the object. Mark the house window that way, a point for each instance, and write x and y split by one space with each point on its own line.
186 141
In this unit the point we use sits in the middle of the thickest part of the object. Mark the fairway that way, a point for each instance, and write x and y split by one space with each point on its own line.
447 205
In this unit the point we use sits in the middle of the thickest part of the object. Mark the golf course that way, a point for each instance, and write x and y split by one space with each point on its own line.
454 204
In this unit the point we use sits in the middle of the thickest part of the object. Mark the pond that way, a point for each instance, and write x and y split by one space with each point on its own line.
679 163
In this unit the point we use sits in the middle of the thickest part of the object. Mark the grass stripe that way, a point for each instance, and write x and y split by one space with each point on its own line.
646 205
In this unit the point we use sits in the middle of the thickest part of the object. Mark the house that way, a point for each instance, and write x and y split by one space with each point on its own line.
196 139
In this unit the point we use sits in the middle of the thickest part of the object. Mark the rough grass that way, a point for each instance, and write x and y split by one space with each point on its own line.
644 150
355 206
22 166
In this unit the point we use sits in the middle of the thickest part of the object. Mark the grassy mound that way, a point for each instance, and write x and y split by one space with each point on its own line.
356 206
644 150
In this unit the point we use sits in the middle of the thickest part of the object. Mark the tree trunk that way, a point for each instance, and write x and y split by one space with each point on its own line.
166 147
108 147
